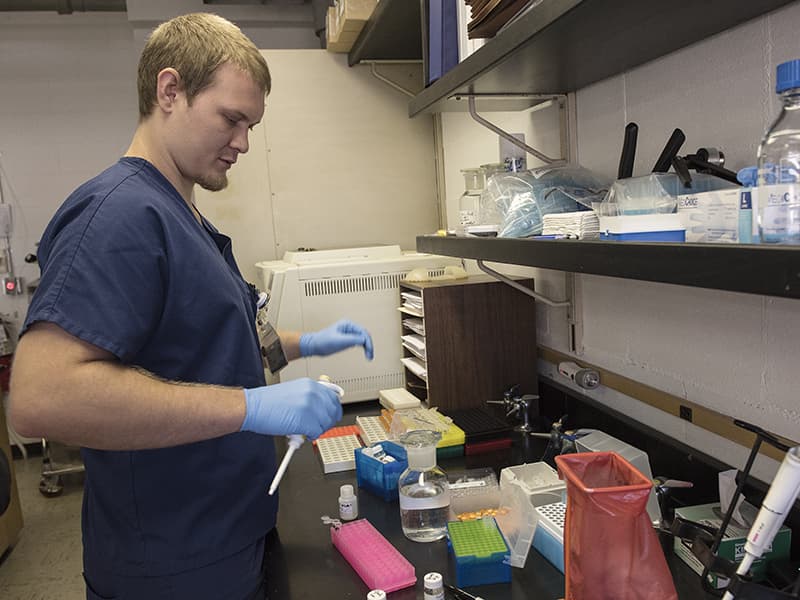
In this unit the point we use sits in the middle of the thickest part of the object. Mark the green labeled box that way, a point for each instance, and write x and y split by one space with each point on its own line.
732 545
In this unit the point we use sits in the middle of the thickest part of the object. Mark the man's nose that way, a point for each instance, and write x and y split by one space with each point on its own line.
240 142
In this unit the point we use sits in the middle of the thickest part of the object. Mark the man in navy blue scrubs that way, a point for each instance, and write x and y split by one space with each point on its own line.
140 343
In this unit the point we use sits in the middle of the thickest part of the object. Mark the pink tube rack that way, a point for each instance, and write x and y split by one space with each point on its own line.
376 561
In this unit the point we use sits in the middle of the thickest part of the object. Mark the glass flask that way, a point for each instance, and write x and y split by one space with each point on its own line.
469 202
423 487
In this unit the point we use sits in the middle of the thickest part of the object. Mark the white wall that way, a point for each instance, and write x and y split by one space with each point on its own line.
67 109
734 353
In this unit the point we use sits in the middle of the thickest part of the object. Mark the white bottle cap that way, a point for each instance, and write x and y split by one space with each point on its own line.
433 579
376 595
346 491
433 586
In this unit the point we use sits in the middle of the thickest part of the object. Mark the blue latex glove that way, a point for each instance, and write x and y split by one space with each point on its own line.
301 406
339 336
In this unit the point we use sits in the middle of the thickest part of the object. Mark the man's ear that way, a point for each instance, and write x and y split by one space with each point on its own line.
168 87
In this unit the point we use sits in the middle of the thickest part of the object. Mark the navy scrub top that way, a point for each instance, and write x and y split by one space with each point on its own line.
126 267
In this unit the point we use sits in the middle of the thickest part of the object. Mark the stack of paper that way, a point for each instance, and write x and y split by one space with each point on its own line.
412 304
583 225
416 366
415 344
415 325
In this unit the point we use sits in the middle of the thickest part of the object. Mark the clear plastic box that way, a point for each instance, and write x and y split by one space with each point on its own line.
473 491
522 489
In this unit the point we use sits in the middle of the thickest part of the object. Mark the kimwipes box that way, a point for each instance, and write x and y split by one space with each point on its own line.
732 545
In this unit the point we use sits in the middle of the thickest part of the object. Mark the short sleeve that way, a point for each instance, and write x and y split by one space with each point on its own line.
103 274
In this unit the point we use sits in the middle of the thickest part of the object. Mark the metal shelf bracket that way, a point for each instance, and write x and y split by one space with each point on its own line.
533 294
506 136
373 66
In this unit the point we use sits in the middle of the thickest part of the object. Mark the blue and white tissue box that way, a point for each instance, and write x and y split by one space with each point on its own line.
715 216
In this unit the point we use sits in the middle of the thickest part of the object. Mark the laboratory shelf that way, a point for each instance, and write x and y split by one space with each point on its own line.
752 269
560 46
393 32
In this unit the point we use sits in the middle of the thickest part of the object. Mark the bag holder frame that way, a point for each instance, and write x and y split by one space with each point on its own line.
705 541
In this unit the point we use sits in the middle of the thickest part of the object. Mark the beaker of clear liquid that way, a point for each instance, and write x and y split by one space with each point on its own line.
423 487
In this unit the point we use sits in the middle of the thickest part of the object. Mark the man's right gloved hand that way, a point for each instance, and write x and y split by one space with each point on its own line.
301 406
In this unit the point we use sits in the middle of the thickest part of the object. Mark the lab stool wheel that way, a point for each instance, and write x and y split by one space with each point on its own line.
51 486
51 483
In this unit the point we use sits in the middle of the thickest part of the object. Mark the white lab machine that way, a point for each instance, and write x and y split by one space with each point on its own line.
313 289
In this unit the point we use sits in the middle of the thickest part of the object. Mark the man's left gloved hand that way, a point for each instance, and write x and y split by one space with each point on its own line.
339 336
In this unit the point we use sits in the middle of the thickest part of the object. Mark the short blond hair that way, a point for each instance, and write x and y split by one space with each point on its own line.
195 45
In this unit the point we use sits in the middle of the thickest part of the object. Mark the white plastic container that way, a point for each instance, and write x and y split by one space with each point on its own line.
522 489
643 228
348 503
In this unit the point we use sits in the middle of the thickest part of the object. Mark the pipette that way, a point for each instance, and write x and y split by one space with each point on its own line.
780 498
296 440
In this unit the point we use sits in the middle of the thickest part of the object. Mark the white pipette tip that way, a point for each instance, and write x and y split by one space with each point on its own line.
295 441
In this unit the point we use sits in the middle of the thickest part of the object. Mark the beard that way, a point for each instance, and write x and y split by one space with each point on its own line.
213 183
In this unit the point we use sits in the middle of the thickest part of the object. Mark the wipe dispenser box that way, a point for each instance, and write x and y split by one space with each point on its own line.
380 478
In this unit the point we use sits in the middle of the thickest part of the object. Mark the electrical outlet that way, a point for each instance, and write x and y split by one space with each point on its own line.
9 285
12 285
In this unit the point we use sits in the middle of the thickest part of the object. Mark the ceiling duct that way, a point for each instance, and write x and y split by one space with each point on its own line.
63 7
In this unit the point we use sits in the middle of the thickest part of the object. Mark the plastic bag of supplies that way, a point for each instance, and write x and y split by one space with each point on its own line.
611 551
516 202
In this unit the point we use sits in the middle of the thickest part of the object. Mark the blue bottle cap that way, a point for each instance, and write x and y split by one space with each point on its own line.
788 76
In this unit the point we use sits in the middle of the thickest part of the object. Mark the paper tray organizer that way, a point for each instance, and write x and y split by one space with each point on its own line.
376 561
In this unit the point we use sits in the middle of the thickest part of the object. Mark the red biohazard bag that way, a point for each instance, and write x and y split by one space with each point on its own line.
611 551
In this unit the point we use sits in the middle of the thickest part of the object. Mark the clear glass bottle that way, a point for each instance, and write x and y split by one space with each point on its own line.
779 164
489 216
469 202
423 487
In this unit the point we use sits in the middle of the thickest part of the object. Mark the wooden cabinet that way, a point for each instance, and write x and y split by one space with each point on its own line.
479 339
